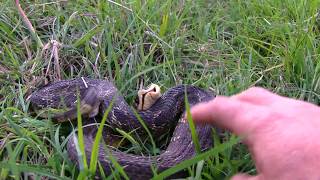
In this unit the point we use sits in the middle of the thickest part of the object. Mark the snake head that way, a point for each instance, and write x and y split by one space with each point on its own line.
147 97
89 107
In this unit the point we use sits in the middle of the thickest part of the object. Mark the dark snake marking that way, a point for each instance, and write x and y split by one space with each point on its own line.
163 115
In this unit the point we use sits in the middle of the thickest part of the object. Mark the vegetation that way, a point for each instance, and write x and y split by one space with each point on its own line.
225 46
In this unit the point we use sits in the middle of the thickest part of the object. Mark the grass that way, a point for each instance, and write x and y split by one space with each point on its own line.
224 45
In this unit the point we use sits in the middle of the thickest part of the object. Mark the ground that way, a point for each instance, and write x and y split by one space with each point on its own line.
224 46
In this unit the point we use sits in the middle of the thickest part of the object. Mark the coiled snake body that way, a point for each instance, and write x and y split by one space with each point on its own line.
165 113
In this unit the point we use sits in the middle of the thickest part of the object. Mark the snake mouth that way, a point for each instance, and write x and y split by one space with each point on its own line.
147 97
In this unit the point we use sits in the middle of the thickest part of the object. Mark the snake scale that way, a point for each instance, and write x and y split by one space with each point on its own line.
167 112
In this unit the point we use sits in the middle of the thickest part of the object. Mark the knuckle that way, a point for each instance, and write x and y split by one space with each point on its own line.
256 90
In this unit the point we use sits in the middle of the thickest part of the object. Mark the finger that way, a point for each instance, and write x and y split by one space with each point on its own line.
245 177
226 113
258 96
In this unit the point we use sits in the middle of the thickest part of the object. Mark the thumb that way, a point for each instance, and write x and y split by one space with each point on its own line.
246 177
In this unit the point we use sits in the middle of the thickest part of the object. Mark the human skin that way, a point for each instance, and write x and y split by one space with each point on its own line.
282 134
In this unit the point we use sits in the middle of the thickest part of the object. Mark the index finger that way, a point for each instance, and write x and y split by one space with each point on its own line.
227 113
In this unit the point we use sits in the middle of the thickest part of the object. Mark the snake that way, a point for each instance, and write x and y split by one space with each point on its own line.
96 95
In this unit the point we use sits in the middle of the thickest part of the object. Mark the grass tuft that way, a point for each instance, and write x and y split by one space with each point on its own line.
223 45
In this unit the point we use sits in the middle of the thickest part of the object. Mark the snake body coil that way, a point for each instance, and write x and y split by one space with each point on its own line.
164 114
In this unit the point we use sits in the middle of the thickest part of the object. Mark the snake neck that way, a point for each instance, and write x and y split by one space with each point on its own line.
163 114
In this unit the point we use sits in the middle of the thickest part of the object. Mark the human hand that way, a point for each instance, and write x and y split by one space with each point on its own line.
282 134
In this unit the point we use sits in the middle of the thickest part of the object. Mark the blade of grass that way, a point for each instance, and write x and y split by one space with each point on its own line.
28 24
87 36
197 158
95 148
199 169
12 164
116 165
66 25
144 72
102 174
154 147
80 135
37 169
192 127
130 138
27 135
164 25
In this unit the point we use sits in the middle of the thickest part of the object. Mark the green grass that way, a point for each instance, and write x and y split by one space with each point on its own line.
224 45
